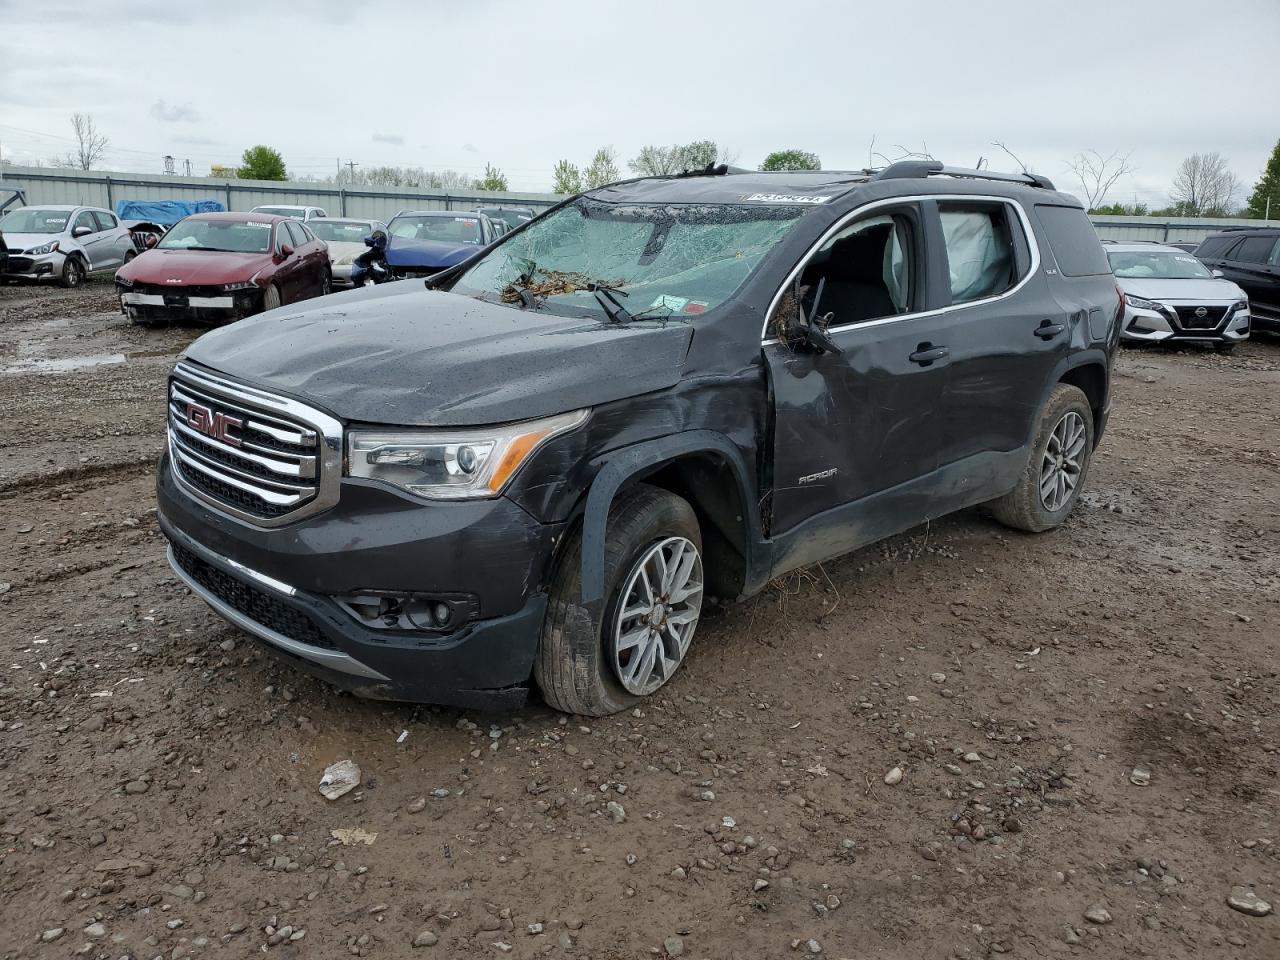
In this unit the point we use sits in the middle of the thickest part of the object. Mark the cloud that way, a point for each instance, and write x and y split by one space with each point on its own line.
389 138
175 113
470 148
196 141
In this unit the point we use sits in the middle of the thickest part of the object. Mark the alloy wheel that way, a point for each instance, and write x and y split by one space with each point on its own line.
1063 462
661 604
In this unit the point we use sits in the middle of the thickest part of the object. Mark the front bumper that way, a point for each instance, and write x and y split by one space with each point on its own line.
341 272
22 266
177 304
1158 326
280 586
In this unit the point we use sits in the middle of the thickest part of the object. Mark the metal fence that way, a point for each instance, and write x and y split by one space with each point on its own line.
93 188
97 189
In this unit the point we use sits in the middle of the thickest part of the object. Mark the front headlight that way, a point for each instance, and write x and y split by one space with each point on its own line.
1144 304
40 251
123 282
455 464
247 285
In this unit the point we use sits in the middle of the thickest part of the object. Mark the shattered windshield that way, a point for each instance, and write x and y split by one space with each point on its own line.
665 260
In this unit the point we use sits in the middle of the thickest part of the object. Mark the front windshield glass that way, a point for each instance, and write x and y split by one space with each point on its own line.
445 229
35 220
1157 265
335 231
670 259
235 236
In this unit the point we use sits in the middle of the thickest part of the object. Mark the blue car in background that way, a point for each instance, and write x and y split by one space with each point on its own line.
423 242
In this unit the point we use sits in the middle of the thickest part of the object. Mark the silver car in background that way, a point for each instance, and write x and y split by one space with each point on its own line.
293 213
345 238
64 243
1170 295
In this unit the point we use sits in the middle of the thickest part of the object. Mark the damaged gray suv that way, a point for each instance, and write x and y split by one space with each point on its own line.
537 467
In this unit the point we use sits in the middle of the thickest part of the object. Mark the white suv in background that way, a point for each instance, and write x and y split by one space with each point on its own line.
64 243
293 213
1170 295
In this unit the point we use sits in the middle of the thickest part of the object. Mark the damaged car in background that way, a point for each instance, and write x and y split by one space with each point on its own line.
424 242
219 267
65 244
345 239
659 392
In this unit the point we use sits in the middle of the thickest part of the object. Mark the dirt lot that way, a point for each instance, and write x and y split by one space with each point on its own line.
158 772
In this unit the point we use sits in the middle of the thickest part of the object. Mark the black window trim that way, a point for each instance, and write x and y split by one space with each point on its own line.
862 211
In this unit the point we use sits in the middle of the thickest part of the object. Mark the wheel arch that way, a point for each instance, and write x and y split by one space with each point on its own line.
1090 377
708 471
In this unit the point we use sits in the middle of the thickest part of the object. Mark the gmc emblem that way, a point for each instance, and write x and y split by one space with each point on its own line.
216 425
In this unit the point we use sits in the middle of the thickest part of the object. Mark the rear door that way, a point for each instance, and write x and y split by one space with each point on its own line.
315 257
1007 336
1254 264
855 429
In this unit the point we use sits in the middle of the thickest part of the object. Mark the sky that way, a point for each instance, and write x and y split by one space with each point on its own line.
523 83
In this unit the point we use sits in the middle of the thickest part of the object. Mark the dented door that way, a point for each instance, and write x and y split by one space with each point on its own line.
850 425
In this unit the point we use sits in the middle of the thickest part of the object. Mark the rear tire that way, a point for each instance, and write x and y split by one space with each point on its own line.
130 255
579 662
1059 463
271 298
72 273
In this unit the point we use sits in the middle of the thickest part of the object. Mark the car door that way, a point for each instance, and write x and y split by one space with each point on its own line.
115 243
856 433
1254 264
1007 334
86 232
315 258
290 267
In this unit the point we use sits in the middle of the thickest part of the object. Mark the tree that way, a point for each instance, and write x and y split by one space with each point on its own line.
222 172
654 161
1122 210
791 160
1268 189
698 155
262 163
603 169
90 145
1098 174
568 178
1205 185
494 179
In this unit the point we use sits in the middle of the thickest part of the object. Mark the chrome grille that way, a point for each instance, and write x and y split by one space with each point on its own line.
254 455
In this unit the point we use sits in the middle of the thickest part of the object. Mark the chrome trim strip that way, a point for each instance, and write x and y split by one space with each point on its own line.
332 659
319 430
270 496
225 472
858 213
304 469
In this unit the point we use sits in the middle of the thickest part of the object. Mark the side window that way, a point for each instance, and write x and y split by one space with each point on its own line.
1255 250
106 221
85 219
1213 246
1073 241
296 237
862 273
980 249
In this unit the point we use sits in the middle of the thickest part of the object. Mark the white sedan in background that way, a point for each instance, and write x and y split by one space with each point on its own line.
345 238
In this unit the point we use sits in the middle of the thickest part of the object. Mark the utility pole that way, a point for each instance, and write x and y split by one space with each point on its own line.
168 165
351 169
186 165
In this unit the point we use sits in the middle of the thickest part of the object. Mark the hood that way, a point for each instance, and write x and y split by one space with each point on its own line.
427 253
1196 291
417 357
21 242
193 267
339 249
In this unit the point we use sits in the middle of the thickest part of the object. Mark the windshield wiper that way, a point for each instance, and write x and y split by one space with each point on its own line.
612 308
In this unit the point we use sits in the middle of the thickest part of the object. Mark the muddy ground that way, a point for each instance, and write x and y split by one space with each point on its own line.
158 771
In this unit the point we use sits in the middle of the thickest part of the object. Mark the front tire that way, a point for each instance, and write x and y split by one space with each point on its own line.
1056 470
72 273
270 298
653 592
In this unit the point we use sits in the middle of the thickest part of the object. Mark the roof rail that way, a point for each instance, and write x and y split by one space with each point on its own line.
1261 226
920 169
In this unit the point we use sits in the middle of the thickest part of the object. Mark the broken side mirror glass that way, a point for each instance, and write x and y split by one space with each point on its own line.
804 331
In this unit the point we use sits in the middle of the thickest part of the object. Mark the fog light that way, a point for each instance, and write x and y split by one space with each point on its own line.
443 614
411 611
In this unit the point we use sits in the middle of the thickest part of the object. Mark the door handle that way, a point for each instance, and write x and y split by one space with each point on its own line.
1048 329
927 353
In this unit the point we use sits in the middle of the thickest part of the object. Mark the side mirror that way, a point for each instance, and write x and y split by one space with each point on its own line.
81 232
286 250
1219 274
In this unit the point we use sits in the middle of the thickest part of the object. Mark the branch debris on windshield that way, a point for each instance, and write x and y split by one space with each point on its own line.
551 283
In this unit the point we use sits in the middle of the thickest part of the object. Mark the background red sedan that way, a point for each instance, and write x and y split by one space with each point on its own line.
219 267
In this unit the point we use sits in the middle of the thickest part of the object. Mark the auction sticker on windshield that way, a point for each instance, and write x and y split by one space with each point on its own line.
784 198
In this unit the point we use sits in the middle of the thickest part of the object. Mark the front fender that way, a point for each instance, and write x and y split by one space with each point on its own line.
629 463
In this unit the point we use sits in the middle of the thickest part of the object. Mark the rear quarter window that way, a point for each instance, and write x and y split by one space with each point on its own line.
1073 241
1214 246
